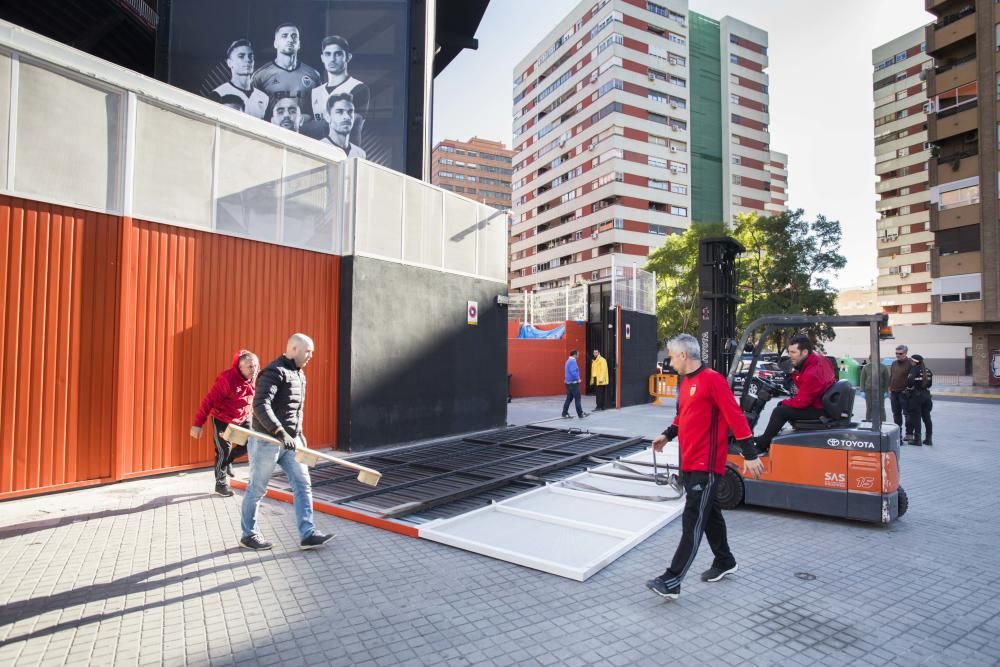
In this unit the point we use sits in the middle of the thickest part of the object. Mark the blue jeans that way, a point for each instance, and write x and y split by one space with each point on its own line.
263 456
573 395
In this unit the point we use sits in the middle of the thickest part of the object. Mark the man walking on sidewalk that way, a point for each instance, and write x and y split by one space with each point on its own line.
898 373
571 371
277 411
599 380
706 412
229 401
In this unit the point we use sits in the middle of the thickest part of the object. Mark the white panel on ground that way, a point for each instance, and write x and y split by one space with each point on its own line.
572 528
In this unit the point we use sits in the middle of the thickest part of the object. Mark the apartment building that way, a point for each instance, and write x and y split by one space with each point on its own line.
778 170
617 112
479 169
963 131
730 140
903 236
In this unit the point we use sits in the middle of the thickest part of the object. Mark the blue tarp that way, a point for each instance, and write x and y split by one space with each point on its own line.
528 331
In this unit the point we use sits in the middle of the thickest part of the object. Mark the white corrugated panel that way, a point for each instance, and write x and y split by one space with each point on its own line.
567 528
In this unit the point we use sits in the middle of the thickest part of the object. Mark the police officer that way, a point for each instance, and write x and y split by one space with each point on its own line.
918 399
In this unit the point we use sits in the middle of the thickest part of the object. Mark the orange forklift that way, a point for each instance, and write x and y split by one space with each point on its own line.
833 465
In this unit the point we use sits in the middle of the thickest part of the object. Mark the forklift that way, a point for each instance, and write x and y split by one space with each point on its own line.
831 466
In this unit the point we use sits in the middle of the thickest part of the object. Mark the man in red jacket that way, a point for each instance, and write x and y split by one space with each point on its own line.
813 375
229 401
706 412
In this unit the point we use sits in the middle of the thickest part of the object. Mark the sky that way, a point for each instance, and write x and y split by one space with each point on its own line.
820 84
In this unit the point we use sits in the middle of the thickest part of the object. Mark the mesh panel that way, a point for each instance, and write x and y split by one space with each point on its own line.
635 289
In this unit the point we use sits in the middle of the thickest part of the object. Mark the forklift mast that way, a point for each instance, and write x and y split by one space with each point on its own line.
717 301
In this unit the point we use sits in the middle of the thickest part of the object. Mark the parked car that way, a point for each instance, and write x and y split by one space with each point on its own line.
767 370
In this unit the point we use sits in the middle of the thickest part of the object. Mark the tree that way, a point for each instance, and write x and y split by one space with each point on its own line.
676 267
786 270
787 267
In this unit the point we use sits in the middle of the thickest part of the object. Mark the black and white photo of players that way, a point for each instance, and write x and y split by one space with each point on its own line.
282 60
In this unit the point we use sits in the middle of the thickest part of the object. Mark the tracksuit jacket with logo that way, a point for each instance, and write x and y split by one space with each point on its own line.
706 411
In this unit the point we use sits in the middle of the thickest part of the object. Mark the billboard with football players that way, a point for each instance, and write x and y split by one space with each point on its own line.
334 70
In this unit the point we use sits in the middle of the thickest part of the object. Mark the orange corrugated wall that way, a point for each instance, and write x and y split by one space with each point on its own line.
192 299
58 277
137 319
536 366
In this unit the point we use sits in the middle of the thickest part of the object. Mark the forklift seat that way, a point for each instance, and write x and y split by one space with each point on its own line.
838 403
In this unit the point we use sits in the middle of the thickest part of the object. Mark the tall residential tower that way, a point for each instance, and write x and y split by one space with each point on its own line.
902 231
631 119
964 132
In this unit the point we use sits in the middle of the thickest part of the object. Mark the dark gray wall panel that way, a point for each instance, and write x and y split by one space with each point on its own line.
638 357
411 366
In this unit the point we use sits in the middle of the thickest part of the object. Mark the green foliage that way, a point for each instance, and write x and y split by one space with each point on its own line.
786 270
675 264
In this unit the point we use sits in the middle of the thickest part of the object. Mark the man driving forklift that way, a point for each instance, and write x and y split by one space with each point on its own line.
813 375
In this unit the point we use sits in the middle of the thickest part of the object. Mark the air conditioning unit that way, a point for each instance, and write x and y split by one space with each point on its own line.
592 146
673 149
928 107
923 75
891 237
594 236
904 271
673 170
593 76
652 77
673 105
562 142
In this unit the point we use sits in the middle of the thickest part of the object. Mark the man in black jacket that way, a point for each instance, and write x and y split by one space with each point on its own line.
277 411
918 400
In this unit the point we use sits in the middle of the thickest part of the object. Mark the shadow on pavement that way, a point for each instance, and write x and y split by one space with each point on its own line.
44 524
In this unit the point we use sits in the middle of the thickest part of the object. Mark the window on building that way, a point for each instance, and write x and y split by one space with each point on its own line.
678 188
734 59
734 99
959 197
958 239
679 210
737 179
736 159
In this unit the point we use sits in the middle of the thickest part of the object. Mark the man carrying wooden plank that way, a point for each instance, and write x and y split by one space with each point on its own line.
277 411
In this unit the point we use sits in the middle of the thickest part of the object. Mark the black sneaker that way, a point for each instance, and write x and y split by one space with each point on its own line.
908 438
566 417
660 588
229 470
315 541
585 414
222 488
255 543
715 573
928 443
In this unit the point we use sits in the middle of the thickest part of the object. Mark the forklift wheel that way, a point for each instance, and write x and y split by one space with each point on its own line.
730 492
904 502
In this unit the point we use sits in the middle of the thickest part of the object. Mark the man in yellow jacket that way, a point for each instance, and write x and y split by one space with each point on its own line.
599 379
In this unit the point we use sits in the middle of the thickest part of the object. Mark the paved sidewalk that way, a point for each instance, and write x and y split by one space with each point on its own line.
148 572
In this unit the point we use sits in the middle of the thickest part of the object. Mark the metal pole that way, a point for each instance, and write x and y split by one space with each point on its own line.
635 286
614 279
567 303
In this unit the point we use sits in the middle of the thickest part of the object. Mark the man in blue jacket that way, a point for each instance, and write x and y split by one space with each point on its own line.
572 372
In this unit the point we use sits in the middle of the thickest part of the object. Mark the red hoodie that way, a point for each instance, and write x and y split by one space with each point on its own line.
813 379
230 399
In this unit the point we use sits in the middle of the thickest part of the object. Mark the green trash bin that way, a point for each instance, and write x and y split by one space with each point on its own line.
849 369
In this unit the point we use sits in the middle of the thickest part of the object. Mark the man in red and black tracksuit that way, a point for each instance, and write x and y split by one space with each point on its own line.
706 412
813 375
229 401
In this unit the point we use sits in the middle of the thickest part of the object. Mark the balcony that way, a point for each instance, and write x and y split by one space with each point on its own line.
954 122
948 76
955 312
954 217
959 264
950 30
956 166
934 6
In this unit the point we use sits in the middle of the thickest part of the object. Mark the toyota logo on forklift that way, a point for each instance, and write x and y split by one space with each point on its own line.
853 444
